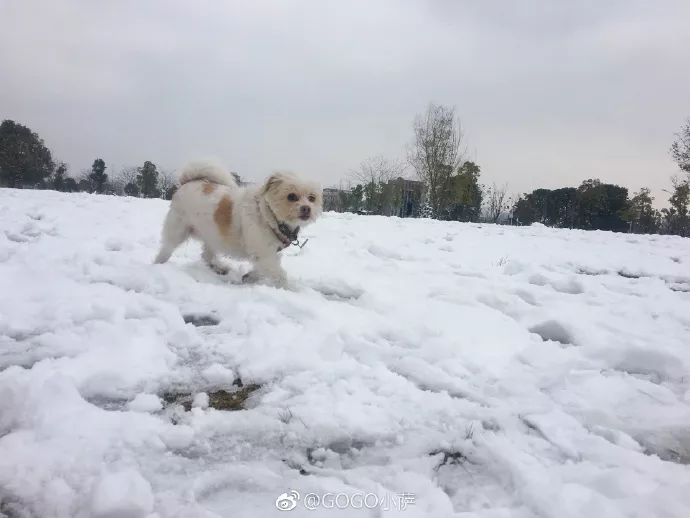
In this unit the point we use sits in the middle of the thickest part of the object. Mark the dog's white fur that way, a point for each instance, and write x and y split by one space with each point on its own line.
240 222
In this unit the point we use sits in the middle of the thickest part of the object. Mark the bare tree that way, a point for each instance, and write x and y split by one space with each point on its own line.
377 169
126 176
680 149
436 153
497 201
374 174
167 183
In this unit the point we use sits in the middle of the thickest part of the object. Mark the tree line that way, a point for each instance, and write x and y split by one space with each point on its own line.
450 188
447 187
595 205
26 162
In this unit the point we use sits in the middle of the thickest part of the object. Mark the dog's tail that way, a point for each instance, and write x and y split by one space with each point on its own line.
209 171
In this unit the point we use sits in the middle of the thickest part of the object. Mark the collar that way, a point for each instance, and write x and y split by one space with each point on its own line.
286 236
280 229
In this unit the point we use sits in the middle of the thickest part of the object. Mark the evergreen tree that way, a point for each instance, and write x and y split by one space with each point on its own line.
169 192
372 197
563 206
592 206
84 185
523 212
466 196
71 185
601 206
97 177
132 189
147 181
24 158
426 210
356 198
59 178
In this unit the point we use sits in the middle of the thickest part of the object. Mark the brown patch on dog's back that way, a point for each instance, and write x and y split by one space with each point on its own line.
223 215
209 187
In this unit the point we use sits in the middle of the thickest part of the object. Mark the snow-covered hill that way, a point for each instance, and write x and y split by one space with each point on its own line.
481 370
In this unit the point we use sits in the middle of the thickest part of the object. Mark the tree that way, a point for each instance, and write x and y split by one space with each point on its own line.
562 206
356 198
168 184
497 202
374 174
641 215
131 189
71 185
602 206
147 180
436 153
59 177
84 184
523 210
425 211
372 198
466 193
676 216
680 149
593 205
534 207
590 196
120 180
24 158
97 176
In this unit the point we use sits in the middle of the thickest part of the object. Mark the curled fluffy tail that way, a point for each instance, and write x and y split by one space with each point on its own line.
205 171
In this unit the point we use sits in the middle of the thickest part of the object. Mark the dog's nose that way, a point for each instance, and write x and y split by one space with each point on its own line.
305 210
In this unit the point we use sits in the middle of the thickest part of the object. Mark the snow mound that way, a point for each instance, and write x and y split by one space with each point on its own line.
123 494
487 371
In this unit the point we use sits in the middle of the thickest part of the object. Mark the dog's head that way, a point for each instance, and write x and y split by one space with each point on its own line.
294 201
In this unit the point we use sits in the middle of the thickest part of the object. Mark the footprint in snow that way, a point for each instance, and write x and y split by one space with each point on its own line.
552 330
337 291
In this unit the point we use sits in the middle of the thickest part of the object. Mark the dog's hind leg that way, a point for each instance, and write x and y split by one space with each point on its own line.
209 256
175 232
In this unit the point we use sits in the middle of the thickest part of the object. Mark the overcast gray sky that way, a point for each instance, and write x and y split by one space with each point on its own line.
549 92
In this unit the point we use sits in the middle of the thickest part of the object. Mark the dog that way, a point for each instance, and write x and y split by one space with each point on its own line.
251 223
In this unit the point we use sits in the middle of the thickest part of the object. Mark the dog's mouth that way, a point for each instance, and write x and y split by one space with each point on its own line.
305 217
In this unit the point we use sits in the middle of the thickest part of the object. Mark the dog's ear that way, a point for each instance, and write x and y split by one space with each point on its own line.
273 181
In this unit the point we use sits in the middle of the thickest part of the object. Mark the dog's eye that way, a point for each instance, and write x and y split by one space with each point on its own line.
293 197
312 198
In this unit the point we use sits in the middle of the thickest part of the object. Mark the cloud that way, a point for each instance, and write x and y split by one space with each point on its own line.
550 93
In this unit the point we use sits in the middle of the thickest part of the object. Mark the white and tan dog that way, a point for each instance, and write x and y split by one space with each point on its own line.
252 223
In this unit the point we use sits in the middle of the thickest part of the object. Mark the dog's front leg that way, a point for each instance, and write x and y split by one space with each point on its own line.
267 270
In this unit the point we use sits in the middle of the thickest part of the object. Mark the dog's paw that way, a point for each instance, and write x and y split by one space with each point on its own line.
250 278
253 277
220 269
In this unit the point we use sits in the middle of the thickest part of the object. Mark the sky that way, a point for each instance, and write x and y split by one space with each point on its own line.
549 93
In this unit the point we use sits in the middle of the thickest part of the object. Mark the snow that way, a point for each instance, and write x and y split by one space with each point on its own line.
145 403
218 375
123 494
489 371
201 400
